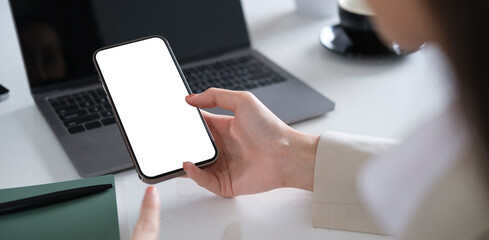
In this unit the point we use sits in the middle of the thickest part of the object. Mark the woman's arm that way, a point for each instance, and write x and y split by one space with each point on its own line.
258 153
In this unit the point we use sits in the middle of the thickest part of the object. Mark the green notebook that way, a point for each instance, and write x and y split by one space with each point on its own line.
91 217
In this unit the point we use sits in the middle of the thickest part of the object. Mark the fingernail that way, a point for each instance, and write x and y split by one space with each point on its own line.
186 165
151 191
191 95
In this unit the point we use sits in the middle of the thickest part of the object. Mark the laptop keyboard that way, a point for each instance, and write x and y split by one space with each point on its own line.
90 109
84 110
242 73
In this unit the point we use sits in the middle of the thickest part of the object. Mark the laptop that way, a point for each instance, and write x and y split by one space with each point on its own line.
209 38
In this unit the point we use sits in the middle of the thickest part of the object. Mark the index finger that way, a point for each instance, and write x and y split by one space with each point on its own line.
216 97
148 225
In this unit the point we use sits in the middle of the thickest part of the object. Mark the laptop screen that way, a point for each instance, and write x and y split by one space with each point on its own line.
58 37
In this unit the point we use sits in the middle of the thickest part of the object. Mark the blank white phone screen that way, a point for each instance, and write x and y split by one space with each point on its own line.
149 96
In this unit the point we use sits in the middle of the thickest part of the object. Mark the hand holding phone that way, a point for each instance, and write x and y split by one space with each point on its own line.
146 89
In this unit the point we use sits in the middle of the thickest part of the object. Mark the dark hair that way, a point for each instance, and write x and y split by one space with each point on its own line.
465 40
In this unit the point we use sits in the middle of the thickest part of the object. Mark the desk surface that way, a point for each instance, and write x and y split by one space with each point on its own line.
378 99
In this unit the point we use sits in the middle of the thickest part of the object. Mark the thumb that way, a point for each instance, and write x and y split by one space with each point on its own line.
148 225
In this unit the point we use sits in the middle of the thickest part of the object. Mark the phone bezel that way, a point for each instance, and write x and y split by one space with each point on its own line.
173 173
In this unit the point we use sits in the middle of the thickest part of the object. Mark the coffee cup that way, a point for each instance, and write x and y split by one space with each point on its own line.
355 36
355 15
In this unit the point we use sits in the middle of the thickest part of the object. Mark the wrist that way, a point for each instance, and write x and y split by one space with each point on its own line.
299 161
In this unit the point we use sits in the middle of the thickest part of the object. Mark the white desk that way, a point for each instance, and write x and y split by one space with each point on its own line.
385 100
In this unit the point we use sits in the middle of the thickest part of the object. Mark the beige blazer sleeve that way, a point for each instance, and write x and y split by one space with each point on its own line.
337 204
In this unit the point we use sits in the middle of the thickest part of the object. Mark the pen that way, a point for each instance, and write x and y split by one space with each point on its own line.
51 198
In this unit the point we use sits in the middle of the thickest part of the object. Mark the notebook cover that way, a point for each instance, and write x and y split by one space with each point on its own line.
91 217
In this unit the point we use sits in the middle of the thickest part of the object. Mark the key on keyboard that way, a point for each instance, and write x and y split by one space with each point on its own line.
243 73
83 111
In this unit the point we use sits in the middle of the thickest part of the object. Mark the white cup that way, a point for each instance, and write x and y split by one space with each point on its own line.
317 8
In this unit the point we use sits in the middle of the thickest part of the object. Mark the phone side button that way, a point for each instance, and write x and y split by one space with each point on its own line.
103 87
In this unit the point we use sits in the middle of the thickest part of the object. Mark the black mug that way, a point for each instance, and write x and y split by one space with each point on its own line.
355 36
355 20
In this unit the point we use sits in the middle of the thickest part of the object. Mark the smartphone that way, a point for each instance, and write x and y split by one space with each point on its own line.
146 89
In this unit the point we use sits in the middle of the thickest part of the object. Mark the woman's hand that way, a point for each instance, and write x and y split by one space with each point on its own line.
257 151
148 225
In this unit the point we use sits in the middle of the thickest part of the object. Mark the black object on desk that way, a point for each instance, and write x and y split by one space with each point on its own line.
355 37
51 198
3 93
